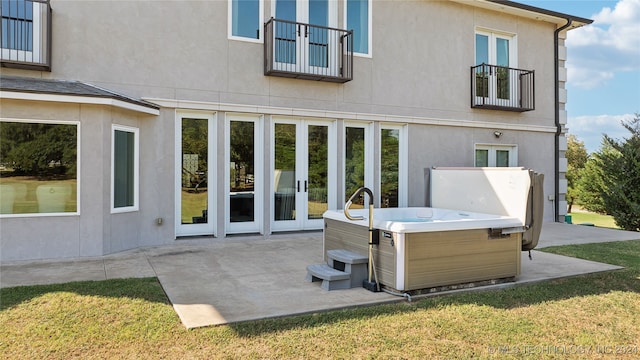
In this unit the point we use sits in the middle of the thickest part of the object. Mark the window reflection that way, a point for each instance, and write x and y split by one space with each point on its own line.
389 167
38 167
241 171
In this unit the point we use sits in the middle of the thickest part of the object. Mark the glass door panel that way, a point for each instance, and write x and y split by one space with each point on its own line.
389 167
318 171
241 170
194 200
286 33
284 173
354 163
317 39
502 158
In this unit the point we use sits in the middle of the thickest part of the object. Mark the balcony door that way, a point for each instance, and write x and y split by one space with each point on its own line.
494 82
303 169
303 44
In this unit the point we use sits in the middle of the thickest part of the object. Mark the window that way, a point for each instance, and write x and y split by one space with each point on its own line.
496 156
22 30
358 19
124 165
244 19
38 167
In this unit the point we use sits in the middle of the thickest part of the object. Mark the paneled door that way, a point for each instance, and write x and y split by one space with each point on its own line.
303 171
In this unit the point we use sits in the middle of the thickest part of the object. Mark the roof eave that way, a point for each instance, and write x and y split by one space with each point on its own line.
528 11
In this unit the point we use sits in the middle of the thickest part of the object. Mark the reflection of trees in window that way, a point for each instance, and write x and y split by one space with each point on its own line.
354 161
285 146
41 150
389 167
318 163
38 167
195 151
242 155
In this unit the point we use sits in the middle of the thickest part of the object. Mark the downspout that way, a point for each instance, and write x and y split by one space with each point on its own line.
557 119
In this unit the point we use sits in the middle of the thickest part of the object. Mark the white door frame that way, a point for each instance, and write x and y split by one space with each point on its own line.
208 228
368 155
302 222
302 41
493 36
255 225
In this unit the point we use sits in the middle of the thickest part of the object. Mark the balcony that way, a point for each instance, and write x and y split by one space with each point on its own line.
26 34
502 88
304 51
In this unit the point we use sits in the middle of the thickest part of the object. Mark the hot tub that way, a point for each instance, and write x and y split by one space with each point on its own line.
422 247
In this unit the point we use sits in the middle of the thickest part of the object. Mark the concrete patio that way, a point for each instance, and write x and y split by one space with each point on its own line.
213 282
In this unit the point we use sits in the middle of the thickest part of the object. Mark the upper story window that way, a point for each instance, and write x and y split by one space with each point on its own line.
358 19
244 19
25 32
38 168
496 155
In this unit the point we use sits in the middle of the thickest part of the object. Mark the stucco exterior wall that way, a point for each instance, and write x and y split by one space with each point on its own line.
418 74
94 231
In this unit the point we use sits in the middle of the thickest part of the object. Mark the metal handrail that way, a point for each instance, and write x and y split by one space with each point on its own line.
372 269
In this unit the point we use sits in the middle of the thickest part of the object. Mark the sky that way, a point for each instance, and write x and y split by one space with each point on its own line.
603 67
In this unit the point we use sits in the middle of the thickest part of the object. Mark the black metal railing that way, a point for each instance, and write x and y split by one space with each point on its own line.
304 51
25 34
502 88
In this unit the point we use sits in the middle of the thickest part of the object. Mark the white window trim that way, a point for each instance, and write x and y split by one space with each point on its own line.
136 169
258 183
492 148
370 30
78 168
368 155
403 168
241 38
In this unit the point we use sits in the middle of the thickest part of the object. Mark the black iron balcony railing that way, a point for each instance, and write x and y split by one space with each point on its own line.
502 88
25 34
304 51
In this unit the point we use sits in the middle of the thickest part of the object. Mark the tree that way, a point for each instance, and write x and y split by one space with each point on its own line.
615 176
577 156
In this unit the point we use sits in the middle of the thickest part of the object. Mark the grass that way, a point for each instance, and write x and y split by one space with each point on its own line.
594 316
600 220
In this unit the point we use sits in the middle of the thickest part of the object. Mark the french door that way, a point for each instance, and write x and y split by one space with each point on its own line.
494 81
303 169
243 175
302 42
195 178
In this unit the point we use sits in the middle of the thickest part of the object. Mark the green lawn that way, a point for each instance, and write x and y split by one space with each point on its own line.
580 217
594 316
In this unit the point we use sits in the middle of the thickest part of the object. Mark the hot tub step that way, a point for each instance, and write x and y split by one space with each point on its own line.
347 257
332 279
350 262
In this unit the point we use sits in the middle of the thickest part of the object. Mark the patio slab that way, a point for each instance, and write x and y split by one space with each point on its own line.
221 281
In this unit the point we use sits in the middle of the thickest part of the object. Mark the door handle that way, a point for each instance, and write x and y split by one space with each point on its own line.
298 186
305 186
